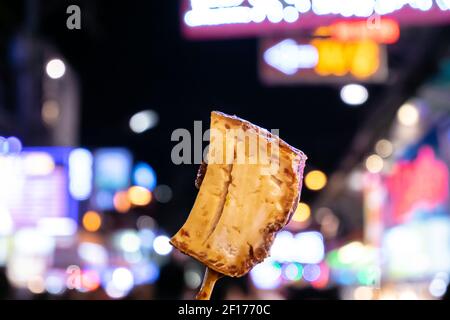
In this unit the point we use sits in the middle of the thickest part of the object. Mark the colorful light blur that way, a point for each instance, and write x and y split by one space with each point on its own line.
55 283
143 121
118 282
11 145
139 196
129 241
38 163
36 284
354 94
321 60
266 275
361 59
58 226
374 163
293 271
218 19
363 293
383 30
162 246
193 279
147 236
112 167
309 247
422 182
384 148
146 272
145 222
90 280
122 279
438 286
304 247
315 180
144 176
311 272
355 263
122 202
302 213
324 277
50 112
80 173
351 252
92 221
55 68
93 253
288 56
408 115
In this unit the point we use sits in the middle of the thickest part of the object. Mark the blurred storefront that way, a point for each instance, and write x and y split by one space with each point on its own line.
404 250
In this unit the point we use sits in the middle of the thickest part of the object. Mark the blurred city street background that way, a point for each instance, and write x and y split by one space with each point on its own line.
91 92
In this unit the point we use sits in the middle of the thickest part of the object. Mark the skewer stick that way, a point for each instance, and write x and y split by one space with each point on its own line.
209 280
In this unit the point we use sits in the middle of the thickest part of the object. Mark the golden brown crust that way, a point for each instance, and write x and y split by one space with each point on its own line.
266 133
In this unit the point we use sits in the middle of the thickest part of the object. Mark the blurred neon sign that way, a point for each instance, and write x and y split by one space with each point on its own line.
360 58
321 60
224 18
288 56
381 30
420 183
34 186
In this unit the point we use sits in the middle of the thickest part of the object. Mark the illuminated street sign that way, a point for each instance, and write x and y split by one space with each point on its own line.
284 61
203 19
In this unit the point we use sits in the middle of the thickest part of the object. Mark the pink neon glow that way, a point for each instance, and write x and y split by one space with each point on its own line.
420 183
309 20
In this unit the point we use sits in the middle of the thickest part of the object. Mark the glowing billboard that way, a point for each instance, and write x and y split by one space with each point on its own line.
202 19
34 185
291 60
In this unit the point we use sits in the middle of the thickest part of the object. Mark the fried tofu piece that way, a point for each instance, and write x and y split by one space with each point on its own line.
247 192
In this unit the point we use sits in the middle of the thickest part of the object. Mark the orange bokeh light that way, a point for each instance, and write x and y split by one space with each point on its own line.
139 196
122 202
92 221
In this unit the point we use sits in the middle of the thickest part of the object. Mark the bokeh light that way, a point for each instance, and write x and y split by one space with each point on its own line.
193 279
129 241
408 115
162 246
384 148
163 193
50 112
39 163
374 163
266 275
121 202
354 94
55 68
302 213
144 176
92 221
36 285
122 278
311 272
315 180
143 121
293 271
363 293
139 196
145 222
